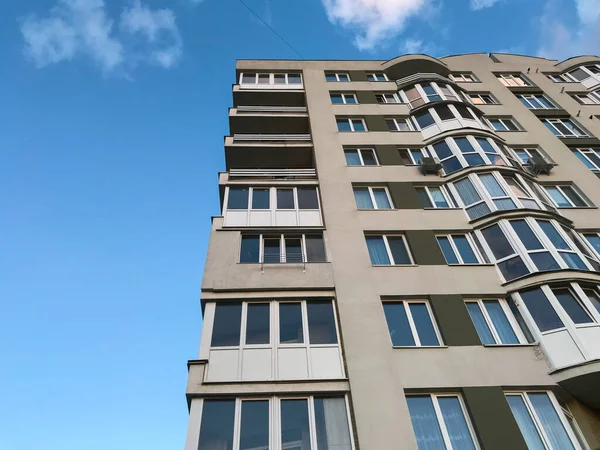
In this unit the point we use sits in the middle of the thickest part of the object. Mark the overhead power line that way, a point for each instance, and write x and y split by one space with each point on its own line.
271 28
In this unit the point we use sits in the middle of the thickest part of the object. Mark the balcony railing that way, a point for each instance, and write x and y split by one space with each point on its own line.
271 109
271 137
416 77
273 173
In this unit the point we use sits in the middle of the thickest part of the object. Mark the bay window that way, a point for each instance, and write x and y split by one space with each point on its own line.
428 92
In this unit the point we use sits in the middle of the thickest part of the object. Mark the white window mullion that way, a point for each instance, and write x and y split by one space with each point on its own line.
237 423
564 421
370 189
591 309
389 251
411 324
489 322
261 248
304 309
312 422
442 424
455 249
513 321
538 422
303 249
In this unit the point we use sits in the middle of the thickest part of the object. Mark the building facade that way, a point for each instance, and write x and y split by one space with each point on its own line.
407 258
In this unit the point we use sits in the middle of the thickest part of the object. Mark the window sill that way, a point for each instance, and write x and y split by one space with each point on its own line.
380 209
576 207
443 209
364 165
471 265
511 345
394 265
411 347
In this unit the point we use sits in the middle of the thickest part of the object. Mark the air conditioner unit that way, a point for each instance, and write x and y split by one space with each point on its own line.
539 165
430 165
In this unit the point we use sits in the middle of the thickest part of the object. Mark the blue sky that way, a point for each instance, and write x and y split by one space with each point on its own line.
112 122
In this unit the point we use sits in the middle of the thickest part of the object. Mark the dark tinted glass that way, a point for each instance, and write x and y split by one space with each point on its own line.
447 250
513 268
541 310
238 198
226 325
336 99
321 323
307 198
216 428
528 238
271 248
315 250
442 150
423 324
260 199
285 199
399 250
573 196
352 158
424 119
368 158
290 323
495 238
571 305
293 250
463 111
254 431
295 432
257 323
398 325
464 248
424 197
249 252
444 112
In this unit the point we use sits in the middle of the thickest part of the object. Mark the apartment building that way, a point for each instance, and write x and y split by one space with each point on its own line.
406 258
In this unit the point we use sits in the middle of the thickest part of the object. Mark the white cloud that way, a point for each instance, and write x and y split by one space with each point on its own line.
158 28
561 41
83 28
373 21
476 5
412 46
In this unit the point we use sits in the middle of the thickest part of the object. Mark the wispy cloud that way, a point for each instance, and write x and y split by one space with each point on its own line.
559 40
83 28
476 5
372 21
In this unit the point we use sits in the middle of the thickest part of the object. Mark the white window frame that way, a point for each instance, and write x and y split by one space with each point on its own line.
440 418
374 200
577 191
586 69
530 152
377 76
272 198
538 423
559 133
275 418
360 156
384 96
412 325
282 247
389 251
338 76
508 79
409 152
559 78
351 122
396 120
272 79
529 97
344 96
509 316
588 98
471 239
519 249
589 245
424 97
502 120
584 152
480 96
464 77
447 196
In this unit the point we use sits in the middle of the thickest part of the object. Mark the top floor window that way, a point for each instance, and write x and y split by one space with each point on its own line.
271 80
464 77
428 92
377 76
513 79
582 73
337 76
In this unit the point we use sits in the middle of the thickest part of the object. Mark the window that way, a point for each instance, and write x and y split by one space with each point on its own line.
350 124
504 124
512 79
522 246
582 73
559 78
237 198
592 98
260 198
483 99
441 422
465 112
435 197
399 124
388 250
536 101
590 157
391 97
411 325
340 98
361 157
378 76
444 112
282 248
412 156
285 422
337 76
271 80
424 119
593 240
542 421
525 153
427 92
566 196
465 77
494 322
458 152
372 198
564 128
460 249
